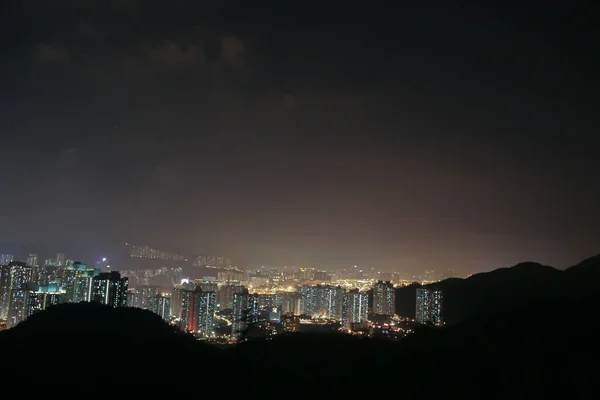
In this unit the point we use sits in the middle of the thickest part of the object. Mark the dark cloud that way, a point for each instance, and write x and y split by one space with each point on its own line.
232 50
50 53
68 154
173 54
309 133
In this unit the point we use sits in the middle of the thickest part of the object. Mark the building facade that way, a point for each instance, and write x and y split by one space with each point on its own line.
355 309
429 307
384 298
110 289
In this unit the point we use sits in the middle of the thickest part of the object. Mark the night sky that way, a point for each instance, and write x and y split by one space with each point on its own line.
304 134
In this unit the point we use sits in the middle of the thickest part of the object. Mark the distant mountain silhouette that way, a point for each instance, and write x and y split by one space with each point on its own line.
504 288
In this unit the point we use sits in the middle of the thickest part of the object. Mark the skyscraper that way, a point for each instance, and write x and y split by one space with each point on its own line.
384 298
206 313
309 299
322 301
60 259
333 298
161 305
429 306
240 311
17 307
144 294
4 290
176 300
187 319
291 303
356 308
77 280
6 259
245 312
110 289
46 274
197 311
41 297
32 260
225 295
20 276
253 308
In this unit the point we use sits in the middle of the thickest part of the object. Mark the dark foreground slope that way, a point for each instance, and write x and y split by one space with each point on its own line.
97 329
505 288
537 351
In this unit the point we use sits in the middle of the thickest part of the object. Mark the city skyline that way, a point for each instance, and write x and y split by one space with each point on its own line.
121 260
439 137
275 198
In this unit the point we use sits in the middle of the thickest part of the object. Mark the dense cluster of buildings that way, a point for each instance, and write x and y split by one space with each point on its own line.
26 289
224 306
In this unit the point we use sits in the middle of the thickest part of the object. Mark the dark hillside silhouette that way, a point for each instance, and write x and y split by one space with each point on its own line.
538 348
505 288
541 352
555 324
406 300
584 277
94 328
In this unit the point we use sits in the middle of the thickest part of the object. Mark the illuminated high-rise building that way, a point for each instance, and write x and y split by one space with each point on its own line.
161 305
230 275
144 294
60 259
355 309
131 297
6 259
206 286
384 298
20 276
269 301
4 291
429 306
240 313
36 274
17 308
148 252
253 308
77 281
225 295
322 301
42 297
321 276
32 260
83 285
211 261
47 274
110 289
197 311
206 313
309 299
187 318
291 303
176 301
245 312
333 298
83 288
